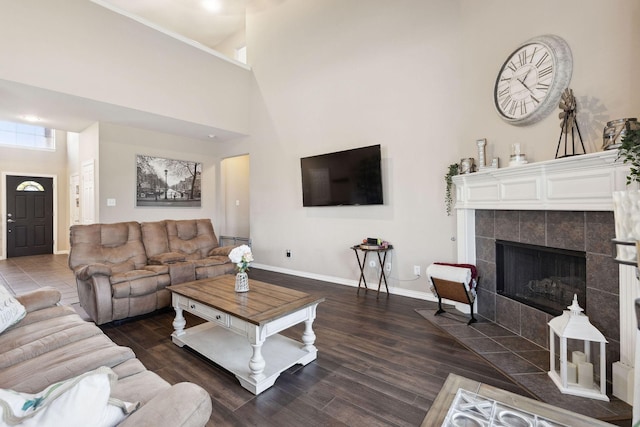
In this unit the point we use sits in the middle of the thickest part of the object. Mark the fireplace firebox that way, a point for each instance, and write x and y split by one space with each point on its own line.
541 277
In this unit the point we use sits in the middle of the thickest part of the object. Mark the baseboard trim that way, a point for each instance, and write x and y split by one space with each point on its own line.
428 296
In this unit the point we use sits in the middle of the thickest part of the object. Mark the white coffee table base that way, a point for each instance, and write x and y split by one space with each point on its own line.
256 355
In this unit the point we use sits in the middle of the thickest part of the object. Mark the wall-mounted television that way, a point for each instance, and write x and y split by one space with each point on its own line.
344 178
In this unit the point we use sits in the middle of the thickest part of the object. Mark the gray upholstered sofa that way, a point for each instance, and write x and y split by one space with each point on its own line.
53 344
122 269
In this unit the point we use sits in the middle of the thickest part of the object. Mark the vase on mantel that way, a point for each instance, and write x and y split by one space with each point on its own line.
242 282
626 213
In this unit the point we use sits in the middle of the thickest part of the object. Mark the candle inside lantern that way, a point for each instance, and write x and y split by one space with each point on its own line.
516 149
572 372
578 357
585 375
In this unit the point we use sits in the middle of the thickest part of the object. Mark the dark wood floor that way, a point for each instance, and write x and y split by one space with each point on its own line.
379 363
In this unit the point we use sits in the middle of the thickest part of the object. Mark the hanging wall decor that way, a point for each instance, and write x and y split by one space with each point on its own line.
167 182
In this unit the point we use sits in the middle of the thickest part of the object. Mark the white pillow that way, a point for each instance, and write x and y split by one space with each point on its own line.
11 311
81 401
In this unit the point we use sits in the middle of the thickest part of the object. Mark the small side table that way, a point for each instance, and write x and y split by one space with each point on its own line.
381 259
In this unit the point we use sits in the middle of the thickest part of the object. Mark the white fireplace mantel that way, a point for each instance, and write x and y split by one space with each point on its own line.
582 182
579 183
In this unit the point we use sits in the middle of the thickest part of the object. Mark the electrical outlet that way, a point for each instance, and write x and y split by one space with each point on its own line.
416 270
387 267
372 264
288 253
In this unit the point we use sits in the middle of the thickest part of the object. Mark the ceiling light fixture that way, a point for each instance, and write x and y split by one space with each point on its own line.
31 118
213 6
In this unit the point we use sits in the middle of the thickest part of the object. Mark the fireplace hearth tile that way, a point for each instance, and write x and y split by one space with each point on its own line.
487 273
534 325
485 223
493 330
507 225
528 368
565 230
511 363
486 249
601 229
603 310
508 313
532 228
483 345
517 344
487 304
602 273
539 358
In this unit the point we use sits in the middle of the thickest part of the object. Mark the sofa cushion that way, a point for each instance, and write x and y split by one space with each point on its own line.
80 401
63 363
212 260
34 339
166 258
11 311
130 275
107 244
154 237
195 238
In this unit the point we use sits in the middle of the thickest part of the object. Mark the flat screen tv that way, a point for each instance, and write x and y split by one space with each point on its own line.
344 178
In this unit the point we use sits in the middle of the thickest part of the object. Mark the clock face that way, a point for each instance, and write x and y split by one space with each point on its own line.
532 79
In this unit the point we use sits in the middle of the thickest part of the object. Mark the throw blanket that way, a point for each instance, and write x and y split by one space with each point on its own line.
460 273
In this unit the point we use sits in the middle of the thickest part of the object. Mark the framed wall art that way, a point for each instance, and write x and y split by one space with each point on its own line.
167 182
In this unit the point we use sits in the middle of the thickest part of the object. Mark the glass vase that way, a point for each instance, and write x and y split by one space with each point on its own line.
242 282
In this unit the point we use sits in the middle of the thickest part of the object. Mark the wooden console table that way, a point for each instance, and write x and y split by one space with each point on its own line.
381 259
438 412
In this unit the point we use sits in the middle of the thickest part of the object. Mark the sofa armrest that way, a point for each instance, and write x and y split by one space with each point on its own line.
221 250
85 272
184 404
167 258
40 298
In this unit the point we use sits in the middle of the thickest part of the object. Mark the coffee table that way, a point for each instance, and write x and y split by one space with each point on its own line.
241 332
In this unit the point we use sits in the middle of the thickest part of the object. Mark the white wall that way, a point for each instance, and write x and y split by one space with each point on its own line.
40 163
416 77
332 75
235 173
118 148
80 48
604 38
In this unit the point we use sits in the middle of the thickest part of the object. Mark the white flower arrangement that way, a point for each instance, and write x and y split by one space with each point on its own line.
241 257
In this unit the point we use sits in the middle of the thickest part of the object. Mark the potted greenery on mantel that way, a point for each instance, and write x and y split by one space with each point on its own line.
448 178
626 203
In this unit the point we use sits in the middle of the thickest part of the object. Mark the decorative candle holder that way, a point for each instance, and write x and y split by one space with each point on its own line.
576 377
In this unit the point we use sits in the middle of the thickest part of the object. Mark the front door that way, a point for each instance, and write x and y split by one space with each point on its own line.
29 215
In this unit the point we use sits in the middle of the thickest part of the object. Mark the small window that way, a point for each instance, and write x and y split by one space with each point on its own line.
29 186
241 54
26 136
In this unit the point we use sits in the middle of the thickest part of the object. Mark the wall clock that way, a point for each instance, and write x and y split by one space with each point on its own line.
531 81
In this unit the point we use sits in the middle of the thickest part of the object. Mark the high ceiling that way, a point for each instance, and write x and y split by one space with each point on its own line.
186 18
205 21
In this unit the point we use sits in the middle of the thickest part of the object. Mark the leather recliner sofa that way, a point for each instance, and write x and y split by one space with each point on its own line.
122 269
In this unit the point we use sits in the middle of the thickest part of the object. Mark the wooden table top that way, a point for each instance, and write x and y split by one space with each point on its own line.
263 303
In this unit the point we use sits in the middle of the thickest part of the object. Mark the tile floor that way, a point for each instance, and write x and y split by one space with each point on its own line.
24 274
524 361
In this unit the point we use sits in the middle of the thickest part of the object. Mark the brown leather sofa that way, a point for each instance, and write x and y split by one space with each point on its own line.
122 269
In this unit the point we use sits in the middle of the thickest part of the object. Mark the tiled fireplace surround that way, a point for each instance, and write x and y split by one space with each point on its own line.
564 203
576 230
